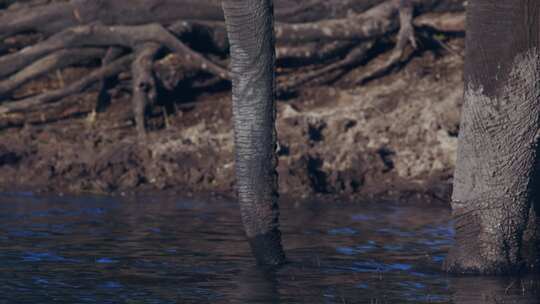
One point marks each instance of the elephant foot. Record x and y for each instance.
(466, 261)
(267, 248)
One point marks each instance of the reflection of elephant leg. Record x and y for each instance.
(499, 134)
(250, 29)
(493, 290)
(256, 285)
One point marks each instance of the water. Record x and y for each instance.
(167, 250)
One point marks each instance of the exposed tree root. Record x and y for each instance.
(112, 69)
(405, 37)
(144, 84)
(57, 16)
(98, 35)
(112, 54)
(406, 31)
(312, 52)
(444, 23)
(325, 42)
(56, 60)
(373, 23)
(354, 57)
(378, 68)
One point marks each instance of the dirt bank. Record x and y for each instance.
(396, 134)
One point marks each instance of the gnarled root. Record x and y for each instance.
(37, 40)
(144, 84)
(112, 69)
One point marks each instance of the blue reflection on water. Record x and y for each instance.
(168, 250)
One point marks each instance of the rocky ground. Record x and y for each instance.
(395, 135)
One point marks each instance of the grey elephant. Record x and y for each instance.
(495, 205)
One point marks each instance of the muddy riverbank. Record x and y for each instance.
(395, 135)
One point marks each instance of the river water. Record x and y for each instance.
(171, 250)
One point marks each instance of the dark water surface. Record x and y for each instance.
(167, 250)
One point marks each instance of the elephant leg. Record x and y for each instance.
(250, 30)
(531, 236)
(497, 163)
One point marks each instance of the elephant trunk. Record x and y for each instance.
(250, 29)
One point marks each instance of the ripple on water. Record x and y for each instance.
(106, 260)
(374, 266)
(44, 257)
(154, 250)
(358, 249)
(342, 231)
(111, 285)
